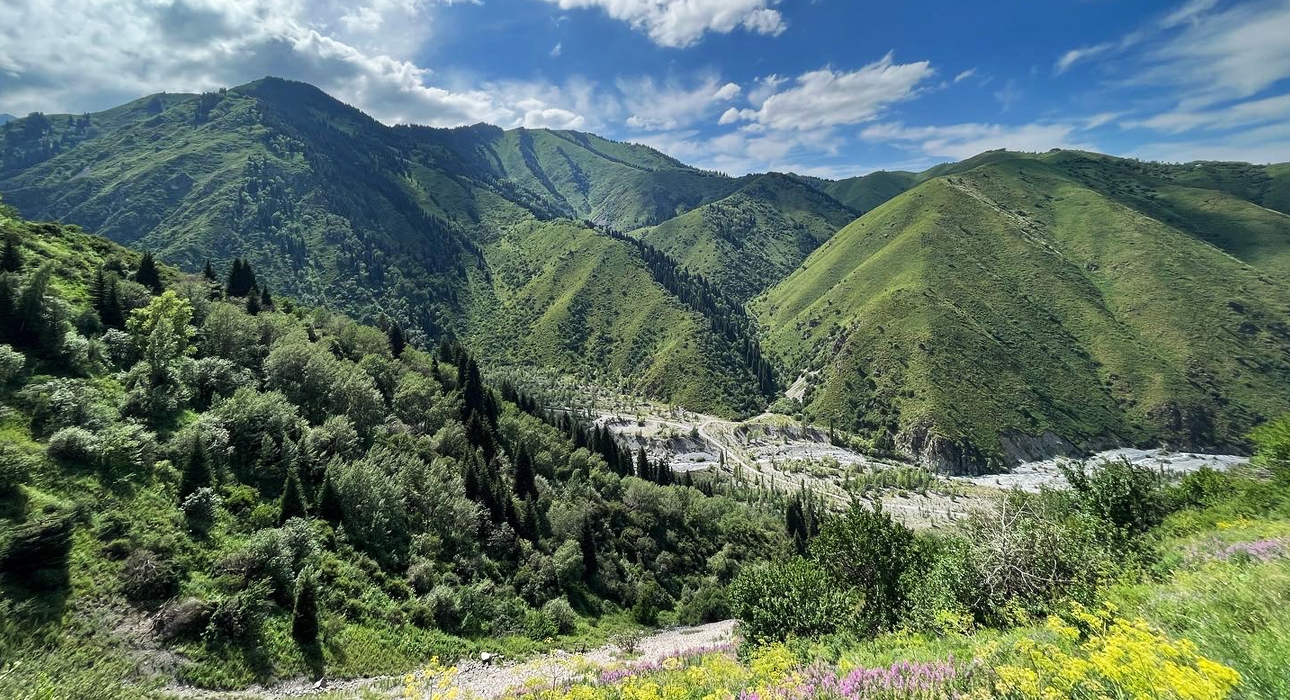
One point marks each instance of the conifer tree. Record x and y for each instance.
(266, 300)
(587, 543)
(147, 274)
(293, 499)
(642, 465)
(253, 305)
(113, 313)
(304, 614)
(197, 471)
(525, 484)
(10, 258)
(209, 271)
(397, 341)
(329, 501)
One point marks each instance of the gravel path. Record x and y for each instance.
(479, 680)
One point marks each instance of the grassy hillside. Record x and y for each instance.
(217, 493)
(751, 239)
(1016, 308)
(405, 223)
(562, 295)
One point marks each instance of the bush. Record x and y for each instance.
(73, 446)
(239, 618)
(11, 363)
(147, 576)
(868, 551)
(793, 598)
(201, 508)
(1127, 496)
(561, 615)
(538, 625)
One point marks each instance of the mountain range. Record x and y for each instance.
(1007, 306)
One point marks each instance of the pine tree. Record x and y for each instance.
(266, 300)
(525, 484)
(147, 274)
(587, 543)
(642, 465)
(293, 499)
(209, 271)
(304, 615)
(11, 258)
(253, 305)
(329, 501)
(98, 291)
(197, 471)
(113, 313)
(397, 341)
(241, 279)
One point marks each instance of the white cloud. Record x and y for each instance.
(555, 50)
(1007, 95)
(1267, 144)
(654, 107)
(1074, 56)
(1223, 55)
(959, 141)
(745, 150)
(826, 98)
(680, 23)
(81, 55)
(1237, 115)
(965, 75)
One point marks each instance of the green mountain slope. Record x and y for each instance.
(333, 208)
(1020, 308)
(868, 191)
(754, 237)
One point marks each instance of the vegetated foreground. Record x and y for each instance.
(204, 484)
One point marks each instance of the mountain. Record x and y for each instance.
(1029, 304)
(333, 208)
(978, 312)
(6, 117)
(753, 237)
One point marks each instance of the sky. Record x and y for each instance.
(821, 87)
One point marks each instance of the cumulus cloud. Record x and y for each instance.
(827, 98)
(654, 107)
(960, 141)
(680, 23)
(81, 55)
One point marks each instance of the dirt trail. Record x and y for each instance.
(478, 680)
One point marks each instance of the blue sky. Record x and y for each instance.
(825, 87)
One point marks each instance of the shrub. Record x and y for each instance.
(304, 614)
(147, 576)
(238, 618)
(73, 445)
(793, 598)
(11, 363)
(538, 625)
(868, 551)
(1125, 495)
(201, 508)
(561, 615)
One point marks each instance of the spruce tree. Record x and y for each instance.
(11, 258)
(587, 543)
(329, 501)
(642, 465)
(209, 271)
(266, 300)
(397, 341)
(304, 614)
(197, 471)
(147, 274)
(525, 485)
(112, 314)
(293, 499)
(253, 305)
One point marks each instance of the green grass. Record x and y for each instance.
(1014, 300)
(748, 241)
